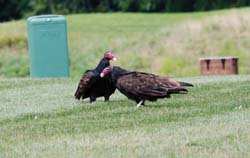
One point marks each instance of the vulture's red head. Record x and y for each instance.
(106, 71)
(109, 56)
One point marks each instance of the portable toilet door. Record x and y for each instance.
(48, 46)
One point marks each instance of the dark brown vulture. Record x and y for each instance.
(92, 85)
(140, 86)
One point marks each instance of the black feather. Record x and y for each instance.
(141, 86)
(93, 86)
(184, 84)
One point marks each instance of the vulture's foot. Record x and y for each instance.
(92, 99)
(106, 98)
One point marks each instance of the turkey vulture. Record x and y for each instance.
(140, 86)
(92, 85)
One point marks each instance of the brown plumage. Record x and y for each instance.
(85, 83)
(140, 86)
(92, 86)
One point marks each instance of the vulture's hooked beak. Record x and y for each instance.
(114, 59)
(102, 75)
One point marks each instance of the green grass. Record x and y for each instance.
(145, 42)
(41, 118)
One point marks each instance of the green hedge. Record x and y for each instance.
(13, 9)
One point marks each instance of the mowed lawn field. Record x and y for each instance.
(41, 118)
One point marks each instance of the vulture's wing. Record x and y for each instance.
(147, 84)
(85, 83)
(140, 84)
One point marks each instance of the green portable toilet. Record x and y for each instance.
(48, 46)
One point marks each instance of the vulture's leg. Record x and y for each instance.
(143, 103)
(140, 103)
(92, 99)
(106, 98)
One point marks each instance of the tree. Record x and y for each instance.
(15, 9)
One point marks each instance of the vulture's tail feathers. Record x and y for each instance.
(184, 84)
(177, 91)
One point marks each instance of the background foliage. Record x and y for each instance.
(167, 44)
(13, 9)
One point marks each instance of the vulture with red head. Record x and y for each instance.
(140, 86)
(92, 86)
